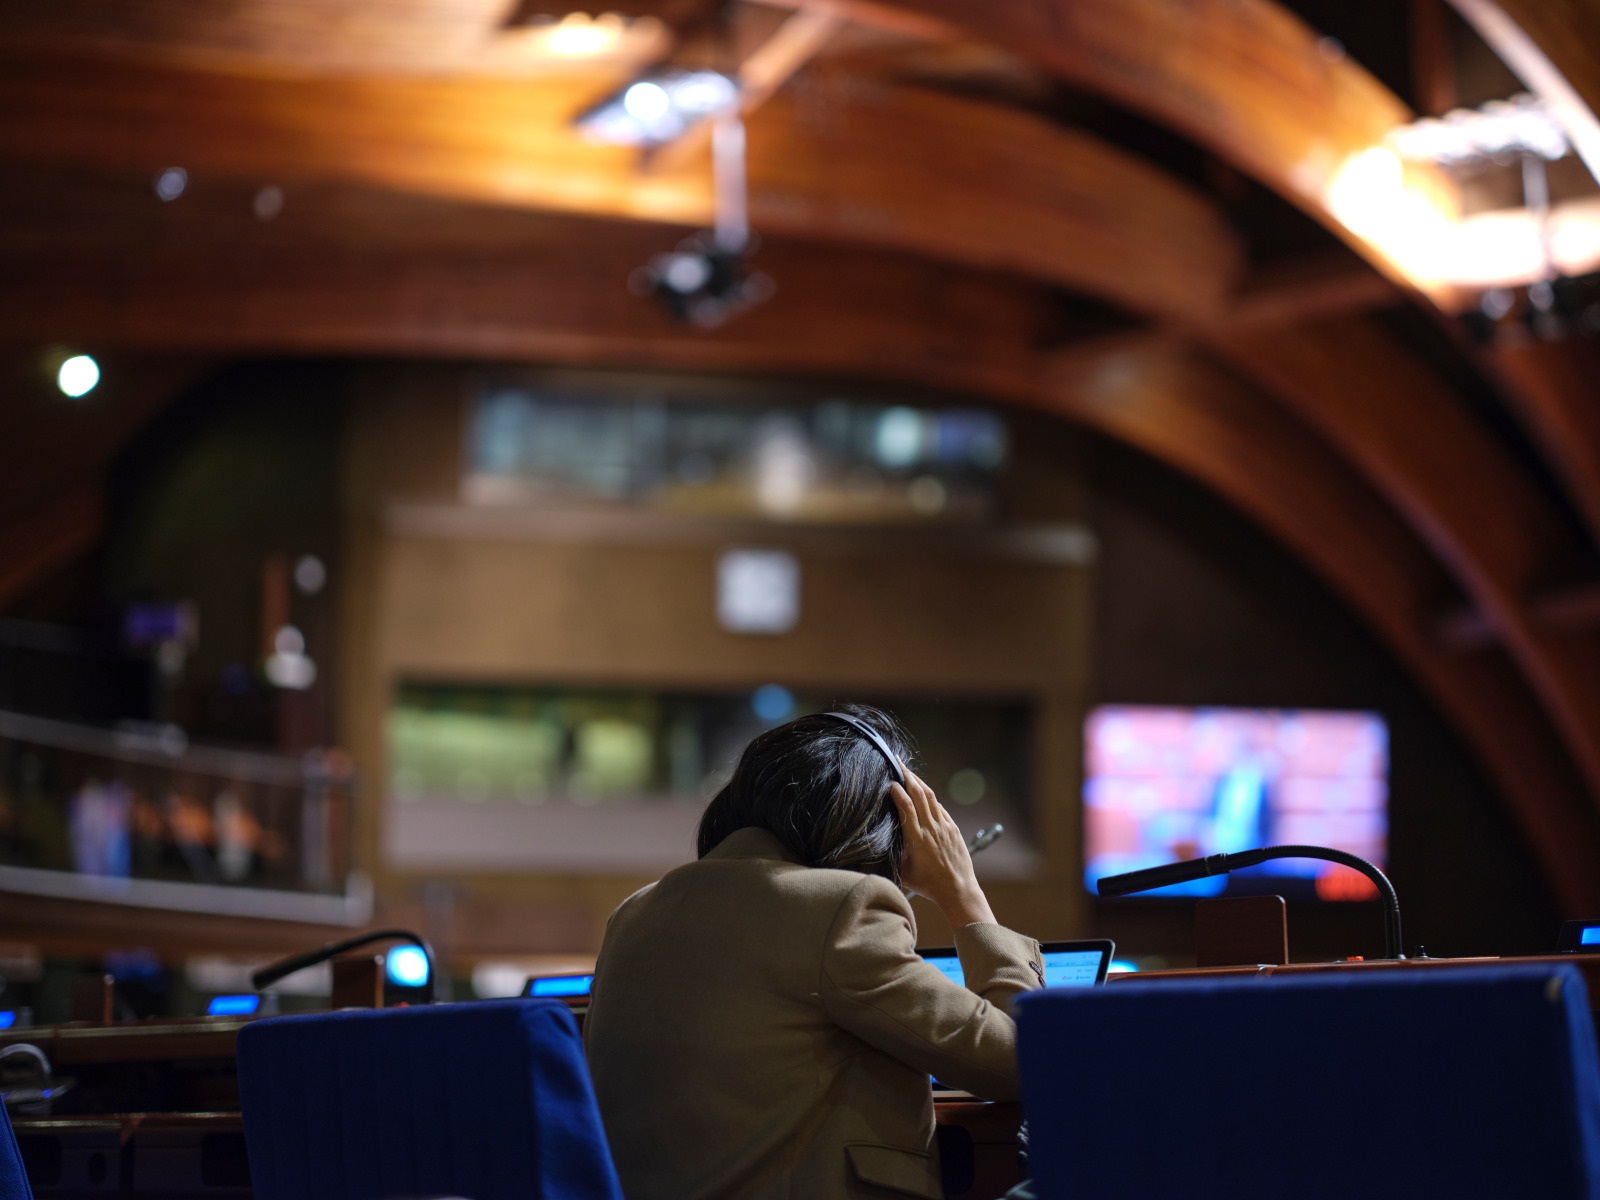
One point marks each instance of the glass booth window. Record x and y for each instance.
(828, 460)
(618, 777)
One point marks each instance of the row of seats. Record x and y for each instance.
(1457, 1083)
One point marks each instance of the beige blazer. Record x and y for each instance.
(762, 1030)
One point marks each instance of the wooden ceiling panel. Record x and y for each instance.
(360, 37)
(916, 170)
(877, 165)
(563, 291)
(1244, 78)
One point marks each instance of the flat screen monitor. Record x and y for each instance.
(1163, 784)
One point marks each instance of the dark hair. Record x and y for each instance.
(821, 789)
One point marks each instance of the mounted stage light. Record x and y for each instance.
(1532, 260)
(706, 279)
(1501, 131)
(659, 108)
(1394, 196)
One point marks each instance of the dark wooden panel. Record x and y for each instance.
(1555, 388)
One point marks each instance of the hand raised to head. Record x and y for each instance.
(936, 862)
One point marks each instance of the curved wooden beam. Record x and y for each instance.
(887, 317)
(1245, 78)
(885, 166)
(1553, 386)
(1394, 419)
(916, 170)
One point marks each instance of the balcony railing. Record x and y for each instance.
(142, 817)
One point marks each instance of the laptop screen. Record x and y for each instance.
(1066, 964)
(568, 987)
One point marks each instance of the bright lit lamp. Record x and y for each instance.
(659, 107)
(77, 376)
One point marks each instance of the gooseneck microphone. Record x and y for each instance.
(273, 972)
(985, 838)
(1220, 864)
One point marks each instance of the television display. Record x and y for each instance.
(1163, 784)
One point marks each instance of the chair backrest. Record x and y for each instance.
(1376, 1083)
(487, 1100)
(13, 1179)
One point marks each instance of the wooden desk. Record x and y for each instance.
(1587, 964)
(154, 1115)
(148, 1156)
(977, 1147)
(153, 1112)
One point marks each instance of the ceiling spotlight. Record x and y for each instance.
(77, 376)
(647, 102)
(658, 108)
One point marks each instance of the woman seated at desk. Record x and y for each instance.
(761, 1024)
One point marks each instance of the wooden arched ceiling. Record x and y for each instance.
(851, 163)
(549, 294)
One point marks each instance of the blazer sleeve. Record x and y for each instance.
(875, 985)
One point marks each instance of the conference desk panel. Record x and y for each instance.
(154, 1113)
(155, 1110)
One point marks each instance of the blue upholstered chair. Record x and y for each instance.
(1451, 1082)
(488, 1101)
(13, 1179)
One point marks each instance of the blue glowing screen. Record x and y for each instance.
(1062, 968)
(7, 1019)
(233, 1006)
(560, 985)
(1590, 936)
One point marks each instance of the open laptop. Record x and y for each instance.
(573, 987)
(1066, 964)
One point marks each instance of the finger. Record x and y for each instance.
(934, 813)
(906, 806)
(923, 797)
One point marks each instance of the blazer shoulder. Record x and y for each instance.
(631, 902)
(835, 887)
